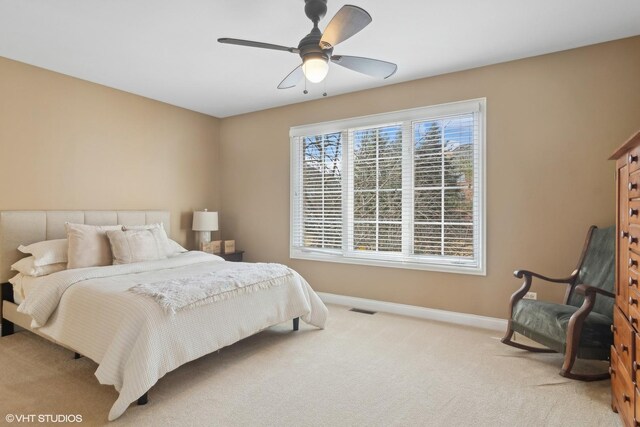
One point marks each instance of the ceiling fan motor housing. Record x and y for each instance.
(310, 46)
(315, 9)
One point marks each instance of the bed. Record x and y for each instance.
(110, 315)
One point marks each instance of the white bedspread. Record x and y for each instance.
(136, 342)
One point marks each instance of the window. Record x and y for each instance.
(402, 189)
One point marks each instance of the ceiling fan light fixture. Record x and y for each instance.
(315, 68)
(316, 48)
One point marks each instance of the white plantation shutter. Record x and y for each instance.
(375, 195)
(321, 221)
(443, 187)
(403, 189)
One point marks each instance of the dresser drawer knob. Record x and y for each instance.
(633, 240)
(632, 281)
(632, 262)
(611, 371)
(632, 158)
(632, 186)
(613, 329)
(624, 348)
(625, 398)
(623, 234)
(633, 212)
(635, 365)
(633, 301)
(632, 320)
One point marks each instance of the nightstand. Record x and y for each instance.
(233, 256)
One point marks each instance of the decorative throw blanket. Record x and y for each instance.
(177, 294)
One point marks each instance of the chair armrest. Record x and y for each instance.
(528, 277)
(574, 328)
(588, 290)
(590, 293)
(521, 273)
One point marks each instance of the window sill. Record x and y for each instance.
(431, 266)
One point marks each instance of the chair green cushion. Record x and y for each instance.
(547, 323)
(598, 269)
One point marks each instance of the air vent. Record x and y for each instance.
(359, 310)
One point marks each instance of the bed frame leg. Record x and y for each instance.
(7, 328)
(144, 399)
(6, 294)
(296, 323)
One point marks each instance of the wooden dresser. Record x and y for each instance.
(625, 352)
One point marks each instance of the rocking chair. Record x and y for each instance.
(581, 326)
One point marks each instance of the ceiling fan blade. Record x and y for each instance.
(348, 21)
(368, 66)
(250, 43)
(292, 79)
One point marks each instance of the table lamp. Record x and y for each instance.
(204, 222)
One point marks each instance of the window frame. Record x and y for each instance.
(395, 260)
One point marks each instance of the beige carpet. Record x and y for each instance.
(363, 370)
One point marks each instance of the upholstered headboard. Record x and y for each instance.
(26, 227)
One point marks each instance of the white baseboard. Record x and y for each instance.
(485, 322)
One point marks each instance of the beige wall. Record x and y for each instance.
(552, 122)
(70, 144)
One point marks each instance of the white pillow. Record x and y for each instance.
(89, 245)
(144, 227)
(18, 291)
(46, 252)
(173, 247)
(137, 245)
(27, 267)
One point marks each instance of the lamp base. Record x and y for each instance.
(202, 237)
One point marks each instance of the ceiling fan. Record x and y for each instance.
(316, 48)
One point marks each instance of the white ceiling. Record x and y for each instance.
(167, 50)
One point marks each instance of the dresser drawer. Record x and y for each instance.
(636, 362)
(633, 186)
(634, 212)
(633, 159)
(635, 423)
(634, 238)
(622, 388)
(634, 317)
(622, 339)
(631, 291)
(633, 260)
(622, 198)
(632, 279)
(624, 283)
(634, 304)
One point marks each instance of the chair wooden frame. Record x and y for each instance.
(574, 329)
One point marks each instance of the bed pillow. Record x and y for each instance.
(46, 252)
(144, 227)
(27, 267)
(18, 292)
(172, 247)
(137, 245)
(89, 245)
(175, 248)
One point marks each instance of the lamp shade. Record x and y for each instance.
(205, 221)
(315, 69)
